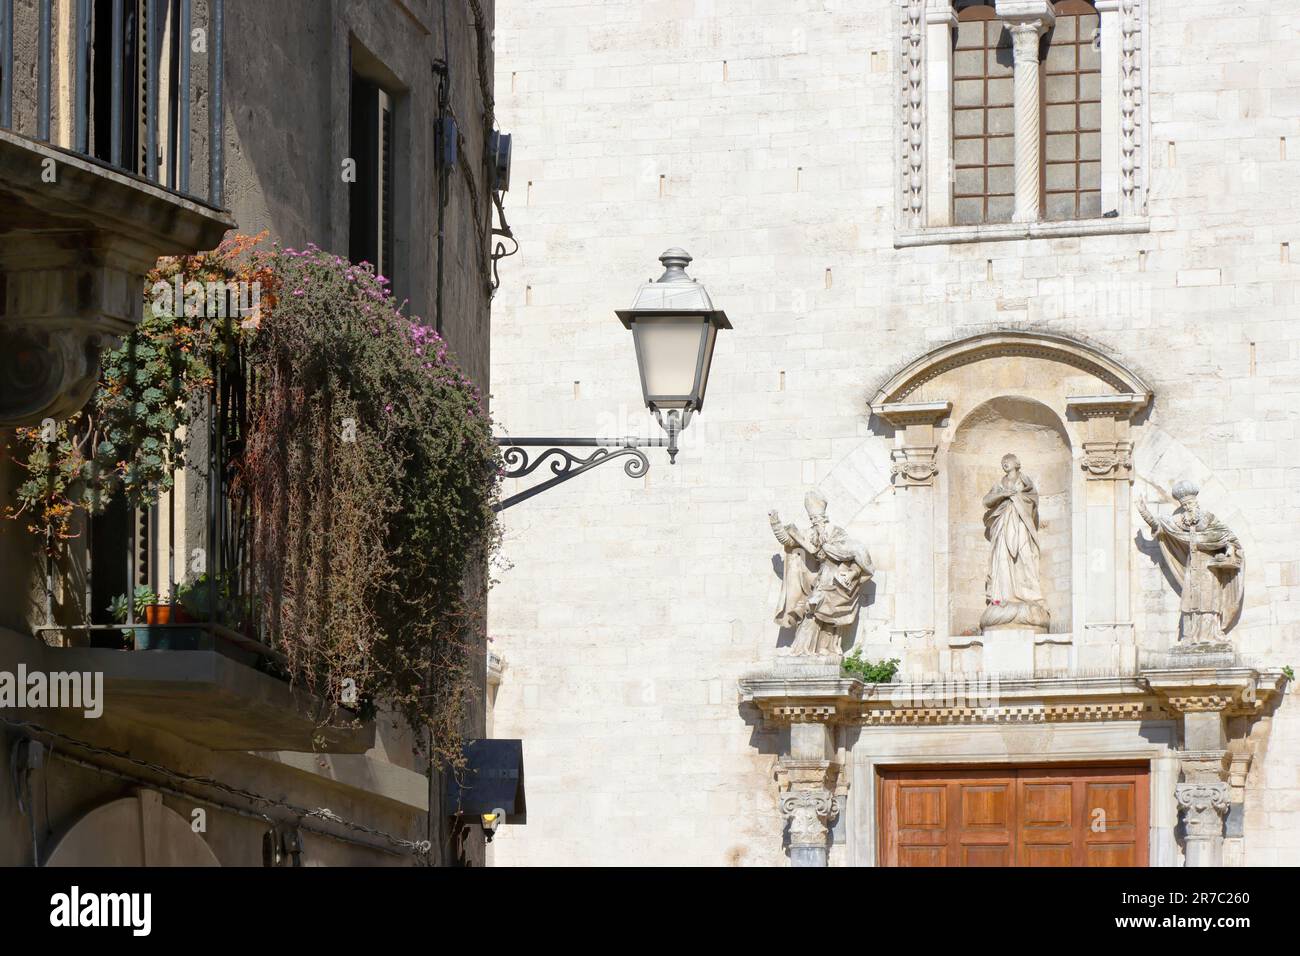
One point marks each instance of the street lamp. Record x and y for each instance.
(674, 328)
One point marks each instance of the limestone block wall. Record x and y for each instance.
(761, 136)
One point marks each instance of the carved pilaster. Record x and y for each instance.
(912, 69)
(1102, 425)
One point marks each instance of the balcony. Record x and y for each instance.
(103, 156)
(157, 590)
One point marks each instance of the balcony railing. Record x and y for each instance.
(194, 663)
(134, 66)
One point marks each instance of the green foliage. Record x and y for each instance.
(366, 471)
(368, 436)
(143, 598)
(147, 393)
(197, 598)
(128, 439)
(881, 672)
(1288, 672)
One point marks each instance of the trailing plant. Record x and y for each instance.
(363, 475)
(366, 435)
(879, 672)
(128, 439)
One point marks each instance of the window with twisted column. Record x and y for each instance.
(959, 166)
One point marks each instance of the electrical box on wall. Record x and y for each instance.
(446, 142)
(499, 160)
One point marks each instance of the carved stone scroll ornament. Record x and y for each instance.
(1203, 806)
(914, 466)
(809, 813)
(1108, 459)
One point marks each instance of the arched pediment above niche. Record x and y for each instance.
(1015, 357)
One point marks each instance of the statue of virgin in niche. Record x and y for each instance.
(1012, 592)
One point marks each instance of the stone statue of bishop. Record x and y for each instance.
(1206, 560)
(824, 573)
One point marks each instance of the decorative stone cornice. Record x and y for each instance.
(1122, 406)
(1232, 691)
(902, 414)
(953, 699)
(1034, 714)
(832, 698)
(803, 713)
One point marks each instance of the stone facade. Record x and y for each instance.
(797, 150)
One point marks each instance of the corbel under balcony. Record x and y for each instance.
(77, 238)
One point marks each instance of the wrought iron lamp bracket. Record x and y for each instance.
(564, 464)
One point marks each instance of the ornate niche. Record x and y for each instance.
(1065, 409)
(1036, 435)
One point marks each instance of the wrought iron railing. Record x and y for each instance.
(133, 65)
(190, 549)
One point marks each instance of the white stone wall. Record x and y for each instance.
(760, 135)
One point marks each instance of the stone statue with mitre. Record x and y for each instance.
(1206, 560)
(824, 573)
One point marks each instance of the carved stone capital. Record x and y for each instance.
(1025, 35)
(913, 467)
(1108, 460)
(809, 813)
(1036, 12)
(1203, 807)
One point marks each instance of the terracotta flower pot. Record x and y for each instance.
(166, 614)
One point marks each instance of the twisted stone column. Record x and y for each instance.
(1027, 20)
(1025, 36)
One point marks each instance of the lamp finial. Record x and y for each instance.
(675, 261)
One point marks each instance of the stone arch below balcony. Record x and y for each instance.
(132, 831)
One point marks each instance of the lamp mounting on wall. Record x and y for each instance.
(674, 329)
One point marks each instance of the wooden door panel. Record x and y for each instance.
(922, 856)
(1086, 816)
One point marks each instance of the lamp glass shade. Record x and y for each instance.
(672, 352)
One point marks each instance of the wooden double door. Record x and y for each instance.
(1023, 816)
